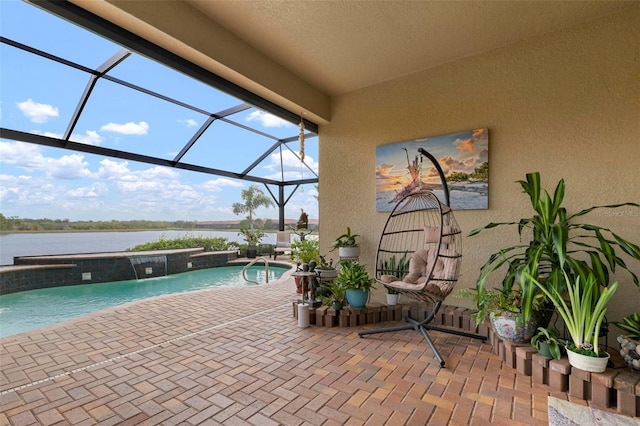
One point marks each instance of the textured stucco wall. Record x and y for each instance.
(567, 105)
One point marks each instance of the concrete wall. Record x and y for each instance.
(567, 105)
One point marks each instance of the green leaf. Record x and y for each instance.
(489, 226)
(558, 196)
(628, 247)
(607, 250)
(599, 270)
(533, 188)
(560, 236)
(610, 206)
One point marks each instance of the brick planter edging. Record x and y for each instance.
(614, 388)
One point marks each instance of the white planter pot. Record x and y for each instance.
(587, 363)
(348, 252)
(327, 274)
(392, 299)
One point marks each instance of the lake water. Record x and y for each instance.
(37, 244)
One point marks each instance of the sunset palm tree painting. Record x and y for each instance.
(463, 157)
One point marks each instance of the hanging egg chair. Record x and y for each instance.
(419, 256)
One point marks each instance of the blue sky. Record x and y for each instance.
(40, 96)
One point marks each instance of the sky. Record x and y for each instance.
(40, 96)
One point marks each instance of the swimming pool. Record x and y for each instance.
(33, 309)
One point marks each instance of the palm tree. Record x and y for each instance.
(253, 199)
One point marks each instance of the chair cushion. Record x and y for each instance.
(420, 265)
(417, 266)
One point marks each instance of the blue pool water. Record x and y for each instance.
(30, 310)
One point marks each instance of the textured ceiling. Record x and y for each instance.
(339, 47)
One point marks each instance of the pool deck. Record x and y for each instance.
(236, 356)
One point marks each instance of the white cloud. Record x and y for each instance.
(68, 167)
(37, 112)
(91, 137)
(93, 191)
(159, 173)
(49, 134)
(110, 169)
(29, 157)
(291, 165)
(25, 192)
(216, 185)
(189, 122)
(130, 128)
(268, 120)
(22, 155)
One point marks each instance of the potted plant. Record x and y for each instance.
(335, 295)
(325, 270)
(503, 308)
(353, 276)
(630, 340)
(392, 297)
(303, 252)
(252, 238)
(347, 245)
(583, 315)
(547, 342)
(397, 269)
(552, 244)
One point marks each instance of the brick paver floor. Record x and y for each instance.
(235, 356)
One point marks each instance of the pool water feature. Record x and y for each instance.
(33, 309)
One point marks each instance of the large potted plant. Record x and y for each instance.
(553, 243)
(353, 276)
(583, 314)
(347, 245)
(503, 308)
(252, 238)
(630, 339)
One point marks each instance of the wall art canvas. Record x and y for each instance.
(464, 158)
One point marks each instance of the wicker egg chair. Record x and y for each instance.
(419, 256)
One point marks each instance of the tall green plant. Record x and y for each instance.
(557, 243)
(584, 313)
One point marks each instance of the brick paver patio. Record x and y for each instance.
(235, 356)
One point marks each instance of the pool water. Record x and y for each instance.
(33, 309)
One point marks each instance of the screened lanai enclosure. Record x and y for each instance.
(109, 93)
